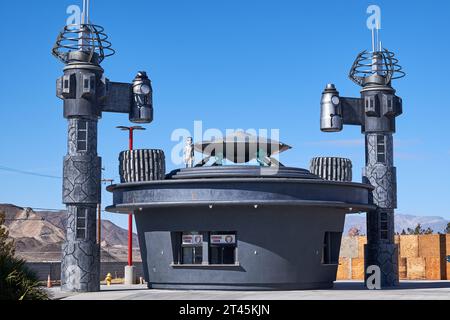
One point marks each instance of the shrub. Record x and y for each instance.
(17, 282)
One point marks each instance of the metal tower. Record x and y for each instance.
(375, 111)
(86, 94)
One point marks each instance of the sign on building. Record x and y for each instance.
(194, 239)
(223, 239)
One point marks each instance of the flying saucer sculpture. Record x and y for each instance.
(241, 147)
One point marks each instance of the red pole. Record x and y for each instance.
(131, 138)
(130, 217)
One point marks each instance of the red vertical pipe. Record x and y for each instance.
(131, 138)
(130, 217)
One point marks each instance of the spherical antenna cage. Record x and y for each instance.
(88, 38)
(380, 67)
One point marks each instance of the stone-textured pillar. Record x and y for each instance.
(83, 92)
(80, 267)
(81, 193)
(380, 172)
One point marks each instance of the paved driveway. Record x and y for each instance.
(344, 290)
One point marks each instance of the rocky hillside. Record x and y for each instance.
(39, 235)
(402, 222)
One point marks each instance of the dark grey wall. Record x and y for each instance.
(278, 247)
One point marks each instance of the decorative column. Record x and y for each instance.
(86, 94)
(82, 90)
(381, 108)
(375, 113)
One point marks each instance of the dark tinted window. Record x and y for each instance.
(222, 248)
(331, 247)
(81, 223)
(381, 149)
(82, 136)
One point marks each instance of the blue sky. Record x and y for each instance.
(232, 64)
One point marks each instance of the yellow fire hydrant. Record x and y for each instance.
(108, 279)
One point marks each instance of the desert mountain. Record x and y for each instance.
(402, 222)
(39, 235)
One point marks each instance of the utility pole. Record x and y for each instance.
(99, 215)
(129, 270)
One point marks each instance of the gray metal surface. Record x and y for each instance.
(142, 165)
(279, 248)
(237, 171)
(276, 192)
(333, 169)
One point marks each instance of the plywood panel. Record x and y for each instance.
(358, 269)
(409, 246)
(447, 238)
(349, 247)
(362, 241)
(416, 268)
(433, 268)
(448, 254)
(343, 272)
(403, 268)
(429, 246)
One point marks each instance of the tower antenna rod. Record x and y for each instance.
(85, 34)
(378, 36)
(376, 42)
(373, 40)
(85, 16)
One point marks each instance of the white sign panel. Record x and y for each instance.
(194, 239)
(223, 239)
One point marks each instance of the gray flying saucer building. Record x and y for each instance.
(217, 226)
(242, 227)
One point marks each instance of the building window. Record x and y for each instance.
(214, 248)
(81, 223)
(331, 247)
(192, 248)
(82, 136)
(384, 226)
(222, 248)
(381, 149)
